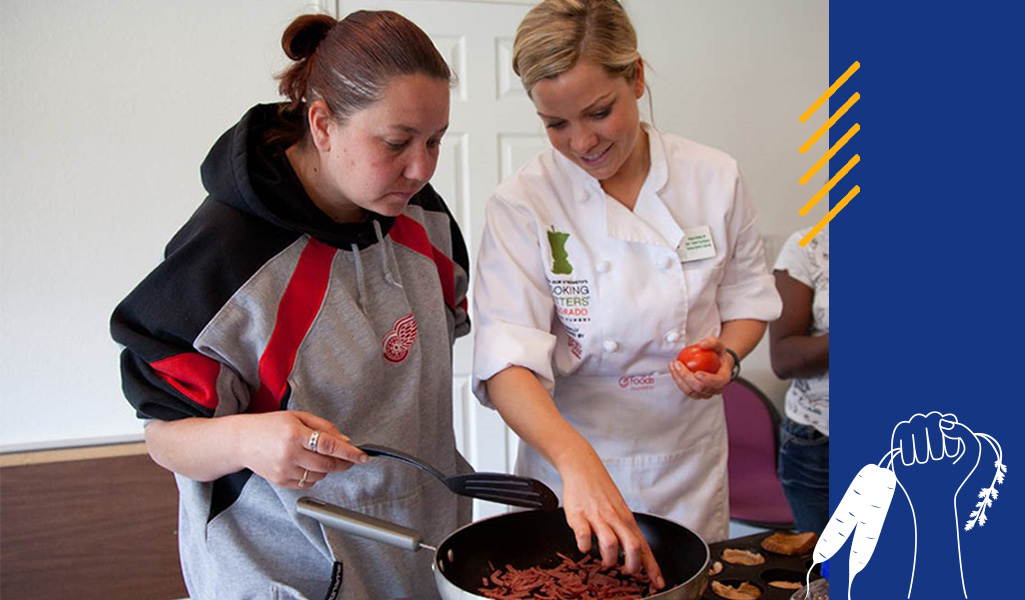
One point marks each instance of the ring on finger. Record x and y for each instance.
(312, 444)
(302, 480)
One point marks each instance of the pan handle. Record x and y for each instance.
(361, 525)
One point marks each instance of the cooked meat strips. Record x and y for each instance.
(585, 579)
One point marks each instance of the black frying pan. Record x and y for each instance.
(523, 539)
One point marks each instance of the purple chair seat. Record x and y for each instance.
(752, 423)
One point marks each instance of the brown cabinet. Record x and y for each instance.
(75, 527)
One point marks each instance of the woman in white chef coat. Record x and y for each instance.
(601, 259)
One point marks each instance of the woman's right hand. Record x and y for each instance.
(594, 505)
(276, 446)
(591, 499)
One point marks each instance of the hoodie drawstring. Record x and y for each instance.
(387, 256)
(361, 290)
(387, 260)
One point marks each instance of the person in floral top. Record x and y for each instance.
(799, 349)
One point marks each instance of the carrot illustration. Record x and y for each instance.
(988, 494)
(870, 521)
(861, 512)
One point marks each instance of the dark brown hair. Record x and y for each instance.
(348, 63)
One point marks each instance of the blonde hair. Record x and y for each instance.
(557, 34)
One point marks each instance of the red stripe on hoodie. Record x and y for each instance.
(192, 374)
(298, 308)
(409, 233)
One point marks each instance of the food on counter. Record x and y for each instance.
(818, 590)
(744, 591)
(791, 544)
(715, 569)
(585, 579)
(697, 359)
(786, 585)
(747, 558)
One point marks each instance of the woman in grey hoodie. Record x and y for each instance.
(311, 300)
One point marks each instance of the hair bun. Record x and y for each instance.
(305, 33)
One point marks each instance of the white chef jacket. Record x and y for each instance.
(595, 299)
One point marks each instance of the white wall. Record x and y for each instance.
(107, 108)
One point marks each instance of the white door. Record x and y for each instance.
(493, 130)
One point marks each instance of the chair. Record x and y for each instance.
(752, 425)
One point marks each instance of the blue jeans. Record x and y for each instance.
(804, 473)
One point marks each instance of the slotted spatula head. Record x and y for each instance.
(505, 489)
(495, 487)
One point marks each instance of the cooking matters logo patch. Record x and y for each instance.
(572, 300)
(400, 339)
(560, 258)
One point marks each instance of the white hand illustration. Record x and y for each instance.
(931, 457)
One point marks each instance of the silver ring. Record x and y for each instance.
(302, 480)
(312, 444)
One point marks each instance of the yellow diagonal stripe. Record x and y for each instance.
(825, 95)
(828, 155)
(829, 217)
(825, 189)
(832, 120)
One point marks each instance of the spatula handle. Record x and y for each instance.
(385, 451)
(360, 525)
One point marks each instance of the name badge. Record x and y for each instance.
(696, 244)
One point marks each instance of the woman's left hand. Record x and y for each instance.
(702, 385)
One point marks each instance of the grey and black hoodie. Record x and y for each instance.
(263, 303)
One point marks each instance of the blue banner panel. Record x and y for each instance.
(926, 300)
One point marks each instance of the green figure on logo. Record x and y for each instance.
(560, 258)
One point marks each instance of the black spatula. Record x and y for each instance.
(496, 487)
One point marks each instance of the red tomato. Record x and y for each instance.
(697, 358)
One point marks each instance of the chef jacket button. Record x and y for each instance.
(603, 266)
(672, 336)
(665, 262)
(584, 195)
(610, 346)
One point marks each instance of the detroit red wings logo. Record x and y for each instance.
(400, 339)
